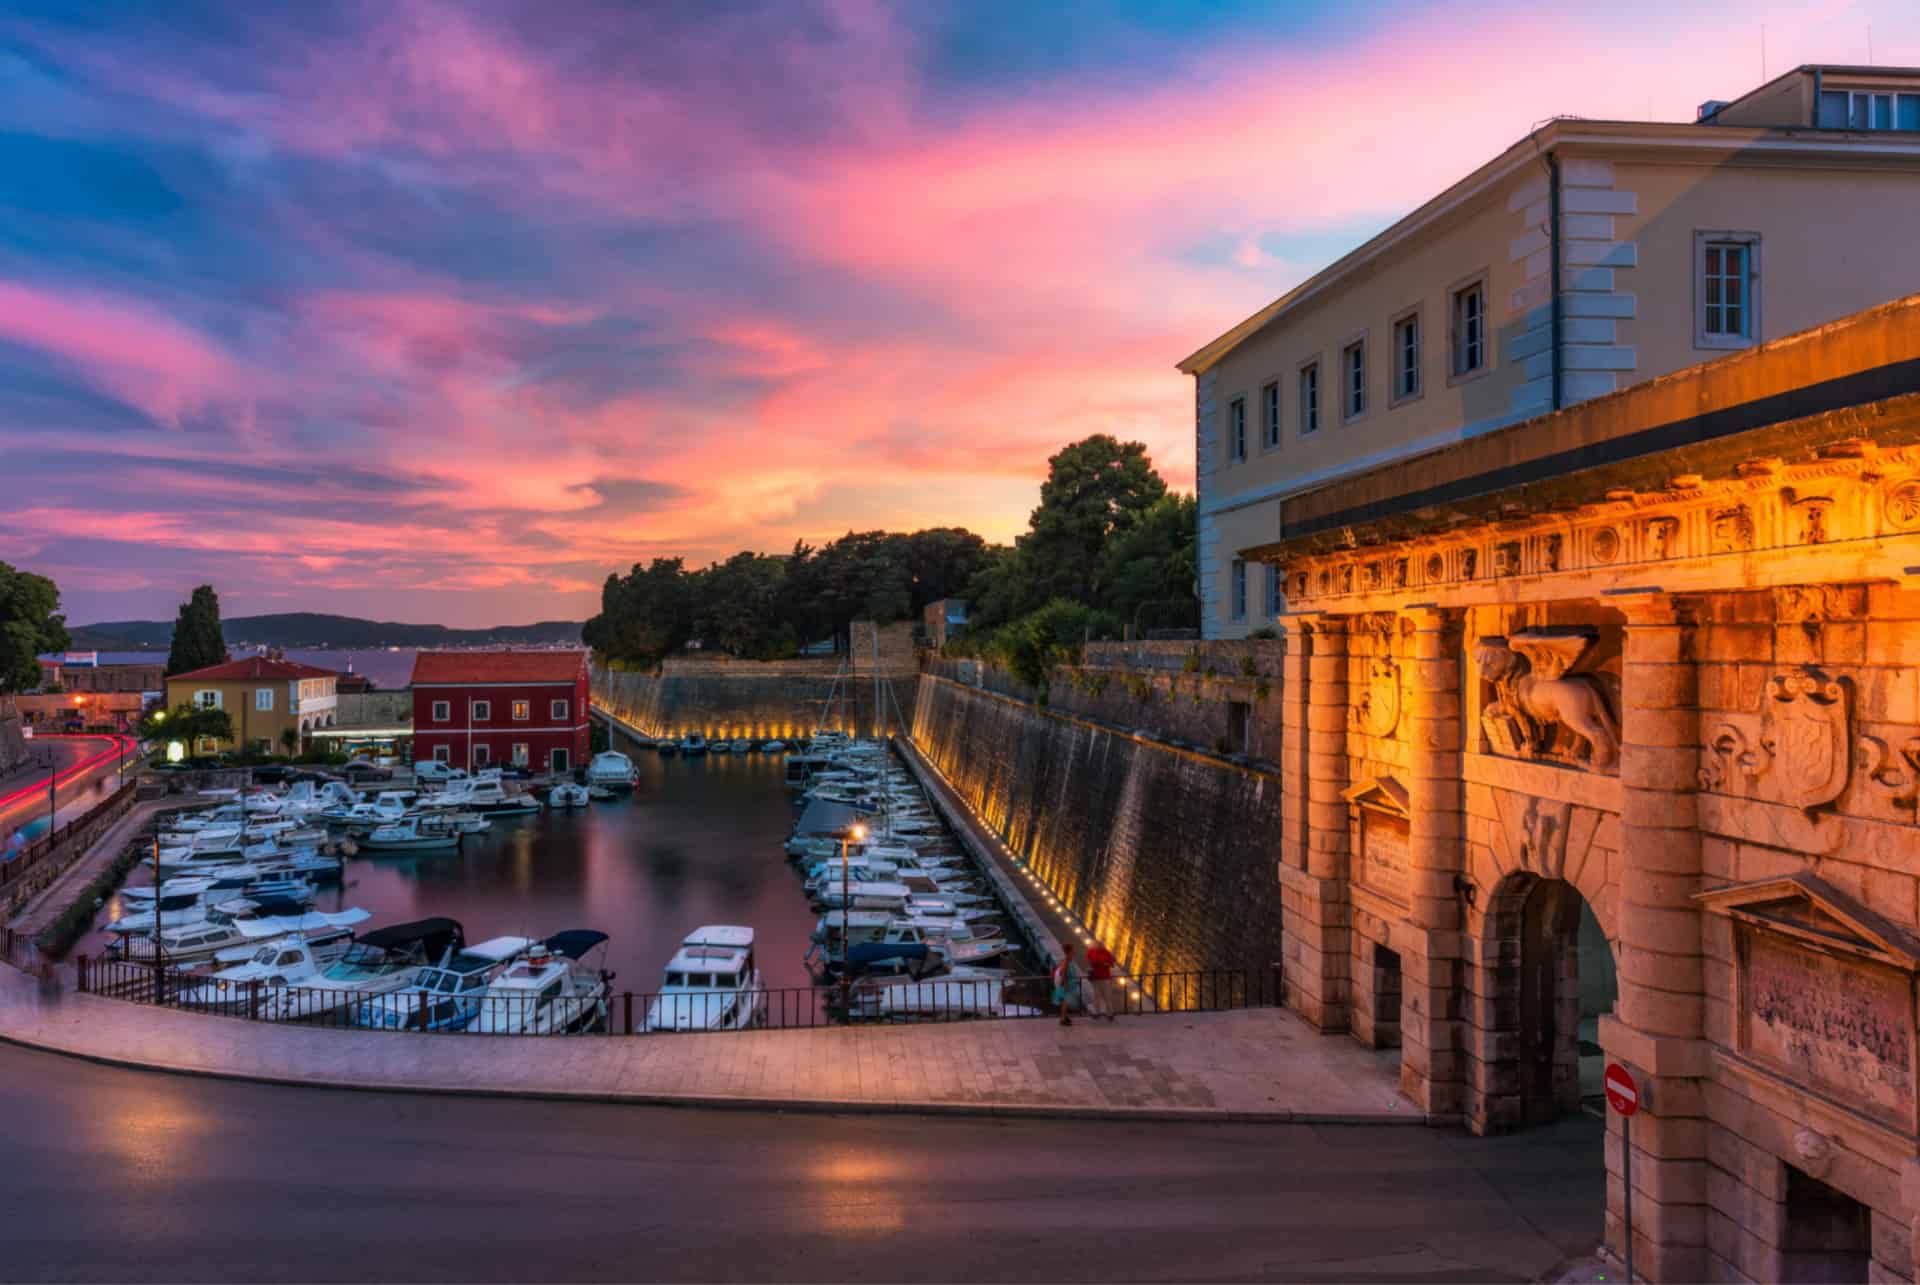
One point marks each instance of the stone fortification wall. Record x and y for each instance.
(1166, 853)
(749, 699)
(1180, 691)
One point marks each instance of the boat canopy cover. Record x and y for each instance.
(867, 953)
(575, 942)
(825, 817)
(435, 934)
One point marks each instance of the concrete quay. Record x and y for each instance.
(1249, 1065)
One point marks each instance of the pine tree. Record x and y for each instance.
(197, 640)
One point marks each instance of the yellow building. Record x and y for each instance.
(263, 696)
(1588, 257)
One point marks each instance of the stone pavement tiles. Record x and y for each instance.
(1259, 1063)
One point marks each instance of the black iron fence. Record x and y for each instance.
(584, 1005)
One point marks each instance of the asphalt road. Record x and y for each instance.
(122, 1175)
(23, 794)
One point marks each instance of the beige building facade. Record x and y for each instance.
(1590, 256)
(1601, 742)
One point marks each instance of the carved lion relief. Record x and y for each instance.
(1539, 703)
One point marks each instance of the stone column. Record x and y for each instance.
(1433, 1067)
(1313, 844)
(1658, 1028)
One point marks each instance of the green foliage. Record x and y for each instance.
(1261, 691)
(188, 724)
(1146, 571)
(30, 623)
(765, 607)
(290, 739)
(1266, 633)
(1032, 645)
(1141, 689)
(197, 640)
(1247, 667)
(1191, 665)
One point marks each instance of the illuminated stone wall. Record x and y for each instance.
(1166, 853)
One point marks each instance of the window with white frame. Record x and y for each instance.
(482, 711)
(442, 753)
(1237, 429)
(1310, 398)
(520, 756)
(1406, 357)
(1353, 374)
(1470, 328)
(522, 711)
(558, 712)
(482, 755)
(1273, 591)
(557, 759)
(442, 711)
(1868, 109)
(1726, 286)
(1270, 415)
(1239, 589)
(263, 698)
(207, 698)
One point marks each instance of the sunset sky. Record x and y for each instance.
(441, 312)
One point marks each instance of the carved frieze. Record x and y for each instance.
(1808, 604)
(1731, 530)
(1539, 704)
(1662, 533)
(1903, 505)
(1605, 545)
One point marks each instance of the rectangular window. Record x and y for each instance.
(1868, 109)
(442, 753)
(1270, 416)
(1239, 589)
(207, 699)
(1237, 429)
(522, 711)
(1353, 366)
(1310, 398)
(1470, 329)
(1273, 590)
(520, 756)
(1726, 268)
(442, 711)
(1406, 357)
(558, 760)
(559, 712)
(482, 756)
(263, 698)
(482, 711)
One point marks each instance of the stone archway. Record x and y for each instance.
(1552, 974)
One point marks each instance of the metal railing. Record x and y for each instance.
(592, 1008)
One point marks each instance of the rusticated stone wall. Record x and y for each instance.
(1181, 691)
(746, 699)
(1166, 853)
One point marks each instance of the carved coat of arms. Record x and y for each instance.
(1803, 726)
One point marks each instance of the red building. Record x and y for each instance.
(478, 709)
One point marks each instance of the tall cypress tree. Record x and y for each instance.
(197, 640)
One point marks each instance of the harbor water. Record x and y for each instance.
(698, 842)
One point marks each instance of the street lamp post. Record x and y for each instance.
(855, 834)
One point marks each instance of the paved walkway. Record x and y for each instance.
(1263, 1064)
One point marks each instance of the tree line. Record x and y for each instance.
(1108, 546)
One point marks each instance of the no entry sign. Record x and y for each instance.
(1623, 1095)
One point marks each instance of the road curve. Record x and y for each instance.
(121, 1175)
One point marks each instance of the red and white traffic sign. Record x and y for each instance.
(1623, 1095)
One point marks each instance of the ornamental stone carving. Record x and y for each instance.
(1539, 700)
(1506, 558)
(1663, 535)
(1804, 732)
(1605, 545)
(1807, 604)
(1903, 505)
(1732, 529)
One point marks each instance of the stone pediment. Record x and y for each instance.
(1380, 794)
(1813, 910)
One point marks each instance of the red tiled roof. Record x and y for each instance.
(255, 667)
(451, 667)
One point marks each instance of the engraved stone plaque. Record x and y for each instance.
(1382, 867)
(1844, 1026)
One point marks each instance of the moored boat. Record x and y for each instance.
(710, 984)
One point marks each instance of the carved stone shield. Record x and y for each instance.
(1804, 725)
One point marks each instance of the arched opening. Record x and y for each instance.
(1556, 979)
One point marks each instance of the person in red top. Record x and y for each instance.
(1100, 985)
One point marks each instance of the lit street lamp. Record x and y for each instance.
(856, 833)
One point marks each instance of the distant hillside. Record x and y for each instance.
(314, 629)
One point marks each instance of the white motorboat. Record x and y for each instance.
(612, 770)
(693, 743)
(720, 747)
(567, 796)
(271, 964)
(946, 998)
(872, 894)
(711, 983)
(742, 747)
(941, 906)
(444, 997)
(865, 928)
(774, 747)
(222, 929)
(385, 959)
(483, 794)
(547, 991)
(421, 832)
